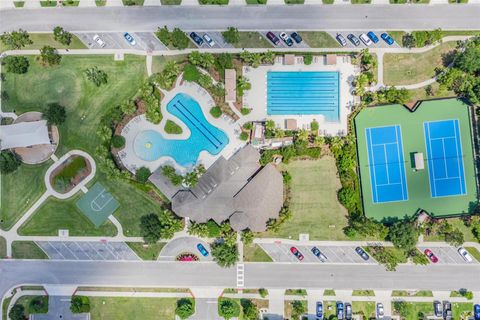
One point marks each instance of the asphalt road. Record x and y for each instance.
(304, 17)
(269, 275)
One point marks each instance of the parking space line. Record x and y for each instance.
(50, 244)
(71, 251)
(83, 250)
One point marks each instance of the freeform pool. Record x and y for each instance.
(303, 93)
(150, 145)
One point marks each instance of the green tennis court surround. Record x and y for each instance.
(443, 185)
(97, 204)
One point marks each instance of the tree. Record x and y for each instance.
(55, 114)
(242, 85)
(408, 40)
(403, 235)
(314, 126)
(216, 112)
(247, 237)
(308, 58)
(16, 64)
(16, 39)
(163, 35)
(224, 254)
(38, 305)
(224, 61)
(49, 56)
(468, 60)
(204, 60)
(298, 309)
(151, 228)
(228, 308)
(118, 141)
(455, 237)
(142, 174)
(263, 292)
(17, 312)
(401, 307)
(128, 107)
(185, 308)
(190, 73)
(231, 35)
(80, 304)
(62, 36)
(250, 310)
(179, 39)
(97, 76)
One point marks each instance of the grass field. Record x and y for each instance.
(314, 203)
(158, 62)
(329, 292)
(27, 300)
(288, 307)
(146, 252)
(254, 253)
(363, 293)
(456, 223)
(3, 248)
(252, 39)
(410, 68)
(48, 3)
(20, 190)
(421, 94)
(62, 180)
(172, 128)
(414, 309)
(474, 252)
(364, 308)
(27, 250)
(46, 39)
(319, 39)
(19, 4)
(421, 293)
(103, 308)
(170, 2)
(462, 310)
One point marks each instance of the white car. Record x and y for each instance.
(465, 255)
(208, 40)
(99, 41)
(366, 40)
(286, 38)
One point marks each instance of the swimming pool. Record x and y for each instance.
(150, 145)
(304, 93)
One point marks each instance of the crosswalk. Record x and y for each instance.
(240, 275)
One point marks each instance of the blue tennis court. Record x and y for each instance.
(386, 164)
(445, 158)
(302, 93)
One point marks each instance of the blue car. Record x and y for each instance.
(386, 37)
(319, 310)
(202, 249)
(373, 37)
(476, 312)
(340, 311)
(129, 38)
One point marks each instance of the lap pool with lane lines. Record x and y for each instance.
(304, 93)
(150, 145)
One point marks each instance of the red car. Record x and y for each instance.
(431, 256)
(296, 253)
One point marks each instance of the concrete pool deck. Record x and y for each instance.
(256, 98)
(139, 124)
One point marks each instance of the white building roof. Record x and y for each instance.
(24, 134)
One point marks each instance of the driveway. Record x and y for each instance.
(182, 245)
(280, 252)
(379, 44)
(87, 250)
(282, 44)
(447, 255)
(206, 308)
(114, 40)
(59, 308)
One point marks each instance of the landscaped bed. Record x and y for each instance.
(70, 173)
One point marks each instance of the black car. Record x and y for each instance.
(353, 39)
(437, 308)
(362, 253)
(272, 37)
(348, 311)
(447, 310)
(295, 36)
(316, 252)
(196, 38)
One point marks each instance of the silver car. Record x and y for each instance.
(380, 311)
(99, 41)
(208, 40)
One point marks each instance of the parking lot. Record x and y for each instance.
(280, 252)
(447, 255)
(114, 40)
(282, 43)
(82, 250)
(379, 44)
(216, 37)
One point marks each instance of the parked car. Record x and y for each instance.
(296, 253)
(202, 249)
(447, 310)
(341, 40)
(209, 40)
(373, 37)
(286, 39)
(340, 311)
(316, 252)
(366, 40)
(272, 37)
(353, 39)
(196, 38)
(437, 309)
(348, 311)
(295, 36)
(380, 311)
(476, 312)
(465, 255)
(129, 38)
(319, 310)
(431, 256)
(362, 253)
(386, 37)
(99, 41)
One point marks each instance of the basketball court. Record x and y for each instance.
(97, 204)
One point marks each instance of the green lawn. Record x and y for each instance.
(462, 310)
(410, 68)
(254, 253)
(474, 252)
(170, 2)
(363, 293)
(296, 292)
(294, 1)
(288, 306)
(100, 3)
(414, 309)
(103, 308)
(27, 250)
(147, 252)
(27, 300)
(252, 39)
(20, 190)
(456, 223)
(421, 93)
(133, 2)
(421, 293)
(46, 39)
(329, 292)
(361, 1)
(57, 214)
(19, 4)
(364, 308)
(70, 3)
(48, 3)
(63, 179)
(398, 1)
(172, 128)
(421, 1)
(256, 1)
(319, 39)
(329, 309)
(158, 62)
(397, 36)
(3, 248)
(314, 203)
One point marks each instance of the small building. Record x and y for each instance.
(291, 124)
(230, 85)
(419, 163)
(331, 59)
(24, 134)
(289, 60)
